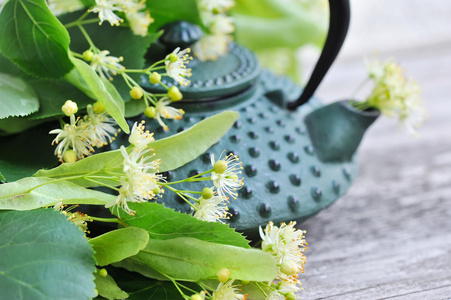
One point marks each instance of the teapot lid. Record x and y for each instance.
(212, 80)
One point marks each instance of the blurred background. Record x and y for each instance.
(389, 237)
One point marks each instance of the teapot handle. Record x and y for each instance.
(338, 28)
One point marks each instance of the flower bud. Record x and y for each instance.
(207, 193)
(69, 156)
(223, 275)
(154, 78)
(220, 166)
(98, 107)
(102, 273)
(290, 296)
(69, 108)
(156, 191)
(149, 112)
(136, 92)
(173, 57)
(174, 94)
(88, 55)
(289, 267)
(196, 297)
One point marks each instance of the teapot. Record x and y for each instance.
(287, 175)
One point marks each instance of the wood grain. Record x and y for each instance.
(390, 236)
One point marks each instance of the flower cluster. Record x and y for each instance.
(140, 182)
(394, 95)
(176, 65)
(135, 11)
(106, 65)
(287, 245)
(78, 138)
(215, 44)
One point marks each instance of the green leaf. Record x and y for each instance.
(99, 164)
(194, 260)
(118, 244)
(164, 223)
(17, 98)
(175, 151)
(101, 94)
(35, 192)
(120, 41)
(23, 154)
(13, 125)
(141, 288)
(44, 256)
(114, 95)
(107, 287)
(53, 94)
(173, 10)
(33, 38)
(187, 145)
(135, 265)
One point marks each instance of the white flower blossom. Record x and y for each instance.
(226, 291)
(100, 127)
(72, 135)
(106, 65)
(106, 9)
(210, 210)
(222, 24)
(163, 110)
(139, 137)
(176, 65)
(216, 5)
(139, 22)
(211, 47)
(287, 245)
(59, 7)
(228, 181)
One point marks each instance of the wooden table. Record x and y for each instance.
(389, 237)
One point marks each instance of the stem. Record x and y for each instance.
(78, 21)
(86, 35)
(102, 184)
(191, 179)
(106, 220)
(260, 288)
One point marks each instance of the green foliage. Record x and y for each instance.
(174, 151)
(141, 288)
(44, 256)
(173, 10)
(95, 84)
(53, 94)
(118, 244)
(35, 192)
(33, 38)
(23, 154)
(17, 98)
(194, 260)
(164, 223)
(187, 145)
(107, 288)
(134, 108)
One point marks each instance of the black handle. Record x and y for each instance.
(338, 27)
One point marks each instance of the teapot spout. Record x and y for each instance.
(337, 129)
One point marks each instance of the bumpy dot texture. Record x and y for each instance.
(283, 178)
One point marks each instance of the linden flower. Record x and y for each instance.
(59, 7)
(139, 185)
(225, 174)
(176, 65)
(394, 95)
(162, 109)
(216, 5)
(106, 9)
(210, 210)
(78, 218)
(227, 291)
(106, 65)
(222, 24)
(211, 47)
(139, 137)
(139, 22)
(287, 245)
(73, 136)
(100, 127)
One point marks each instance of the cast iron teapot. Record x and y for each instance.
(285, 177)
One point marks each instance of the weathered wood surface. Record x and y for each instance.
(390, 236)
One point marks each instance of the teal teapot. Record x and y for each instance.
(290, 169)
